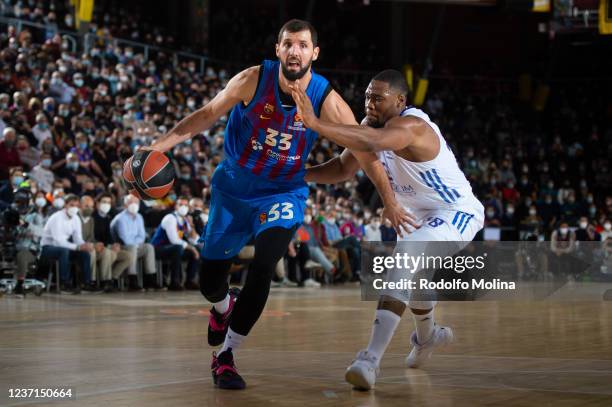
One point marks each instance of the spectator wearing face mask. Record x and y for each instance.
(199, 216)
(586, 232)
(510, 221)
(41, 130)
(492, 218)
(562, 244)
(606, 232)
(57, 200)
(532, 222)
(85, 157)
(570, 209)
(128, 229)
(549, 211)
(42, 173)
(175, 240)
(28, 237)
(63, 241)
(119, 259)
(9, 155)
(372, 230)
(16, 179)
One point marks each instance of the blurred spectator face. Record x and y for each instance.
(72, 161)
(87, 205)
(607, 226)
(49, 105)
(58, 198)
(45, 160)
(22, 143)
(81, 141)
(39, 199)
(532, 210)
(375, 222)
(563, 228)
(41, 121)
(490, 213)
(510, 210)
(185, 173)
(17, 176)
(104, 204)
(4, 101)
(77, 79)
(583, 222)
(9, 137)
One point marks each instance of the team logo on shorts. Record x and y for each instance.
(256, 145)
(263, 218)
(268, 108)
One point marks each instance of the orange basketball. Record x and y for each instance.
(149, 175)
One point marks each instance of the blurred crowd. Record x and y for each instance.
(68, 121)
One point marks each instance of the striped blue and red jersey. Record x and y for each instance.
(268, 140)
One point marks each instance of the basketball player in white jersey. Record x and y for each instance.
(429, 184)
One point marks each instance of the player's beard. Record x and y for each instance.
(293, 76)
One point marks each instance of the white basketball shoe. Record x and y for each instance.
(363, 371)
(420, 353)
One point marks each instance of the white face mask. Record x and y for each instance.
(133, 208)
(73, 211)
(307, 218)
(105, 207)
(331, 220)
(583, 225)
(40, 202)
(183, 210)
(532, 212)
(375, 225)
(204, 217)
(608, 226)
(58, 203)
(563, 231)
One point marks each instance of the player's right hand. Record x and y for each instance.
(400, 219)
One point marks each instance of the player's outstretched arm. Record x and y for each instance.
(338, 169)
(397, 134)
(336, 110)
(241, 88)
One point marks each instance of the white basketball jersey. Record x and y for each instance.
(435, 184)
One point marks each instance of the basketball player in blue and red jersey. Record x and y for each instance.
(259, 189)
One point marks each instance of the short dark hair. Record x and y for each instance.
(69, 198)
(295, 26)
(396, 81)
(103, 195)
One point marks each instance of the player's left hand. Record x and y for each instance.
(303, 104)
(401, 220)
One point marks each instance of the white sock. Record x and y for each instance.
(383, 329)
(232, 340)
(424, 326)
(223, 305)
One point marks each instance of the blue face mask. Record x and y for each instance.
(18, 180)
(72, 165)
(172, 197)
(43, 126)
(82, 146)
(46, 162)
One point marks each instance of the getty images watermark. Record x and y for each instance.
(458, 271)
(400, 263)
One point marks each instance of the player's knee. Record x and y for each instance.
(213, 279)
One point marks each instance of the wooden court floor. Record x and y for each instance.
(149, 350)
